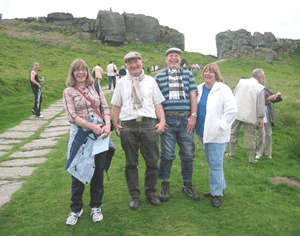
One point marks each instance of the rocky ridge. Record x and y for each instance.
(111, 28)
(241, 44)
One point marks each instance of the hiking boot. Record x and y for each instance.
(73, 217)
(164, 193)
(134, 203)
(153, 200)
(215, 202)
(96, 214)
(189, 190)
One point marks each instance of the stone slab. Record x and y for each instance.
(24, 162)
(40, 143)
(59, 128)
(31, 127)
(17, 135)
(34, 153)
(57, 122)
(53, 134)
(2, 153)
(7, 188)
(37, 122)
(15, 172)
(9, 141)
(6, 147)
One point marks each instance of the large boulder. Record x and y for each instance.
(257, 40)
(266, 54)
(59, 16)
(142, 28)
(110, 28)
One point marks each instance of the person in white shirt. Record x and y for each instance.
(111, 70)
(249, 96)
(137, 103)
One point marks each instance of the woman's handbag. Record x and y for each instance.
(112, 127)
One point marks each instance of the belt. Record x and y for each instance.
(139, 119)
(186, 113)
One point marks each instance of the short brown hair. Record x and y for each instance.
(213, 67)
(76, 64)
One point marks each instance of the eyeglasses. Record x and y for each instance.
(78, 70)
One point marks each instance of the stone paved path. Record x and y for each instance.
(22, 162)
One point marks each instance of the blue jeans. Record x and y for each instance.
(214, 153)
(110, 80)
(176, 133)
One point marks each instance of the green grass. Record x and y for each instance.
(252, 205)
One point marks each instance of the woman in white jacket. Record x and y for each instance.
(217, 110)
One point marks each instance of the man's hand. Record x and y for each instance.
(191, 124)
(260, 123)
(117, 128)
(161, 127)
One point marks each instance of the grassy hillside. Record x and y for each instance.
(17, 57)
(252, 205)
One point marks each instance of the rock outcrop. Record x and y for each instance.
(111, 28)
(241, 44)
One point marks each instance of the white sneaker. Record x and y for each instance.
(257, 157)
(40, 116)
(270, 157)
(96, 214)
(73, 218)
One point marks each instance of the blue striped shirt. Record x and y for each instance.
(189, 84)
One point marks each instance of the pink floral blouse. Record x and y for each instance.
(75, 103)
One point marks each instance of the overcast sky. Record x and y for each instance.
(199, 21)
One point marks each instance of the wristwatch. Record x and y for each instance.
(108, 122)
(194, 115)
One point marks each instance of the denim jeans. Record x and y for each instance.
(110, 80)
(214, 153)
(37, 101)
(176, 133)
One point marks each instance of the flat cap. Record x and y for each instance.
(177, 50)
(132, 55)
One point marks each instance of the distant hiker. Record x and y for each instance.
(137, 103)
(152, 69)
(265, 134)
(97, 73)
(148, 69)
(250, 98)
(111, 73)
(36, 89)
(122, 72)
(83, 108)
(156, 68)
(184, 66)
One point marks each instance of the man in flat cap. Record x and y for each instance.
(180, 91)
(137, 103)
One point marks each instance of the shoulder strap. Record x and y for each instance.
(93, 105)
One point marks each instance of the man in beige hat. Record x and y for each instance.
(137, 103)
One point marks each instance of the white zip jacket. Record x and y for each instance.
(221, 111)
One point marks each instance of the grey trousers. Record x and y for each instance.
(265, 139)
(135, 136)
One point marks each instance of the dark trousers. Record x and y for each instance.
(141, 135)
(96, 186)
(37, 101)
